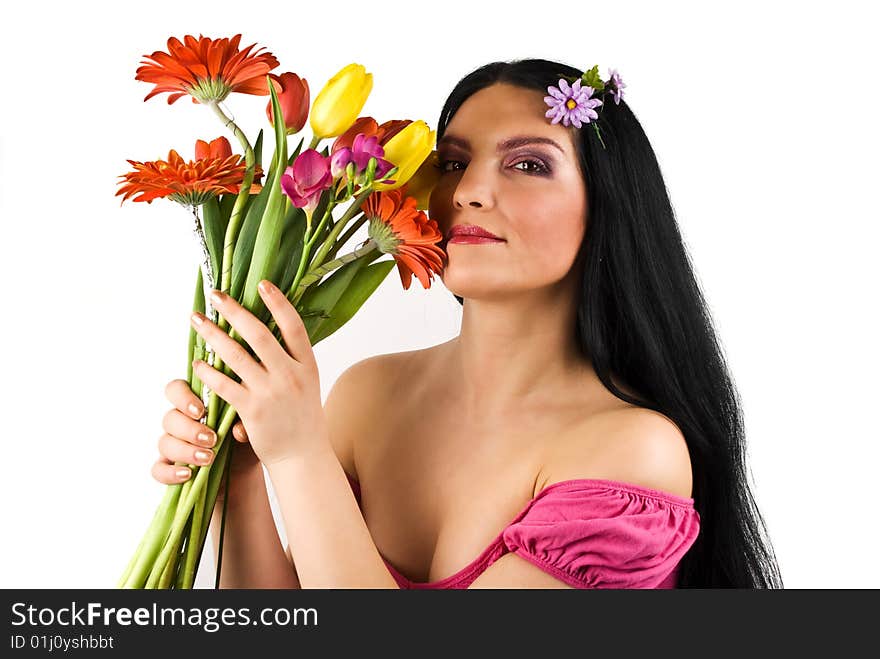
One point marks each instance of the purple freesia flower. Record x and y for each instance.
(618, 85)
(339, 161)
(362, 149)
(571, 104)
(306, 179)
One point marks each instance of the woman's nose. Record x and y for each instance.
(474, 190)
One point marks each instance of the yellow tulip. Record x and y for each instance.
(423, 181)
(339, 103)
(407, 150)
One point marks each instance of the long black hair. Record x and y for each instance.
(642, 318)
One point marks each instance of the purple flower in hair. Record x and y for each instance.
(618, 85)
(571, 104)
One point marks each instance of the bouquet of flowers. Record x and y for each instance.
(288, 231)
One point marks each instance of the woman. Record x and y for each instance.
(581, 431)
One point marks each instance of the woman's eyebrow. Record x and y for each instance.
(510, 143)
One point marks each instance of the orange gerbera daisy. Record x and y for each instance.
(400, 229)
(206, 69)
(188, 183)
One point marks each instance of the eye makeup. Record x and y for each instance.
(535, 166)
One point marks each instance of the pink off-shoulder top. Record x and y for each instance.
(589, 533)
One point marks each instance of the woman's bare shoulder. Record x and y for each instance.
(624, 443)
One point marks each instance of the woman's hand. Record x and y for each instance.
(183, 427)
(279, 397)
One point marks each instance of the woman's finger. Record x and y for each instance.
(168, 473)
(179, 394)
(177, 450)
(177, 424)
(251, 329)
(228, 389)
(230, 351)
(239, 432)
(293, 331)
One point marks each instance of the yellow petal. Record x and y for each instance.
(408, 150)
(338, 105)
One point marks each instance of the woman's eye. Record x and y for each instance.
(441, 165)
(539, 167)
(534, 166)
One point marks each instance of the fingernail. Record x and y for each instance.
(264, 286)
(206, 438)
(182, 473)
(194, 409)
(202, 456)
(197, 318)
(215, 298)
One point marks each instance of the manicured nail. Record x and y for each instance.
(215, 298)
(206, 438)
(182, 473)
(264, 287)
(202, 456)
(197, 318)
(194, 409)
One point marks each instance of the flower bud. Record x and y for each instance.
(339, 103)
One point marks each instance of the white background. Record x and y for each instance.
(764, 120)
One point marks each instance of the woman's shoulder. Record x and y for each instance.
(372, 375)
(624, 443)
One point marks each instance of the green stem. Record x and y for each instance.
(182, 514)
(171, 568)
(156, 536)
(304, 256)
(330, 241)
(240, 201)
(195, 532)
(223, 519)
(315, 141)
(231, 236)
(330, 266)
(313, 235)
(357, 224)
(134, 559)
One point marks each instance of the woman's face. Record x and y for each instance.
(530, 194)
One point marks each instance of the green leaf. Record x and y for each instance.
(271, 224)
(319, 299)
(289, 252)
(364, 284)
(215, 231)
(247, 235)
(296, 152)
(227, 203)
(258, 149)
(291, 247)
(591, 78)
(289, 160)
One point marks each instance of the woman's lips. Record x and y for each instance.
(472, 240)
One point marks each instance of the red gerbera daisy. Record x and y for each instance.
(206, 69)
(400, 229)
(188, 183)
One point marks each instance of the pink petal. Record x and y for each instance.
(309, 168)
